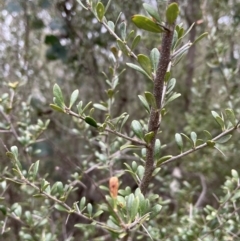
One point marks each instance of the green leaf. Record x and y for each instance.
(135, 42)
(35, 169)
(223, 139)
(100, 107)
(155, 210)
(157, 149)
(231, 116)
(187, 138)
(152, 11)
(145, 103)
(154, 57)
(111, 25)
(89, 120)
(134, 166)
(172, 12)
(170, 85)
(89, 209)
(179, 141)
(14, 151)
(203, 35)
(124, 121)
(148, 137)
(57, 108)
(130, 35)
(163, 159)
(139, 69)
(137, 129)
(82, 203)
(194, 138)
(215, 147)
(167, 76)
(123, 30)
(128, 146)
(60, 208)
(140, 171)
(172, 97)
(98, 213)
(122, 47)
(234, 174)
(146, 23)
(150, 99)
(145, 63)
(73, 98)
(218, 119)
(129, 204)
(134, 209)
(100, 11)
(57, 93)
(207, 134)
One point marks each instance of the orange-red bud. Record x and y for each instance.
(113, 186)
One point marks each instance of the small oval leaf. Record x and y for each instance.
(146, 23)
(172, 12)
(100, 10)
(89, 120)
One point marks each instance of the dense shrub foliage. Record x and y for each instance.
(119, 120)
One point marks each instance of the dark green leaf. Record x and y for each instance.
(89, 120)
(146, 23)
(148, 137)
(172, 12)
(150, 99)
(145, 63)
(100, 11)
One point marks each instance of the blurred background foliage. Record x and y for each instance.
(43, 42)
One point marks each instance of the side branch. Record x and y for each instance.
(199, 147)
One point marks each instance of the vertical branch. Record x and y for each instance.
(155, 118)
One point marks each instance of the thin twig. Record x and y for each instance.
(198, 147)
(136, 141)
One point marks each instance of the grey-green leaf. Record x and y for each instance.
(137, 129)
(179, 141)
(139, 69)
(73, 98)
(152, 11)
(154, 57)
